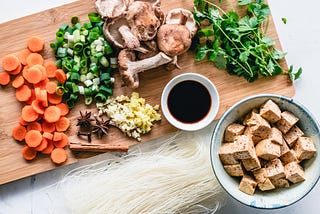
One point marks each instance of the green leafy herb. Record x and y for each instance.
(294, 75)
(284, 20)
(237, 44)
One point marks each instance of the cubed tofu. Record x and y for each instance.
(270, 111)
(252, 118)
(244, 148)
(304, 148)
(267, 150)
(292, 135)
(247, 184)
(266, 185)
(280, 183)
(232, 131)
(234, 170)
(275, 136)
(248, 132)
(251, 163)
(261, 129)
(284, 148)
(287, 121)
(294, 172)
(226, 154)
(260, 175)
(288, 157)
(275, 169)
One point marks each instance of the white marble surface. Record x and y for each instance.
(300, 37)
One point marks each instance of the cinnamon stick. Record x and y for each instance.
(89, 147)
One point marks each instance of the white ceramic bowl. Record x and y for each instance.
(274, 198)
(208, 118)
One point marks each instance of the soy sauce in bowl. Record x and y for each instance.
(189, 101)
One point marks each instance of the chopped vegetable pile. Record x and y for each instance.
(238, 44)
(85, 56)
(130, 114)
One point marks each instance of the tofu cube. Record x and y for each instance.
(267, 150)
(234, 170)
(247, 184)
(294, 172)
(270, 111)
(287, 121)
(304, 148)
(226, 154)
(288, 157)
(280, 183)
(248, 132)
(232, 131)
(252, 118)
(292, 135)
(266, 185)
(261, 129)
(251, 163)
(275, 136)
(244, 148)
(260, 175)
(284, 148)
(275, 169)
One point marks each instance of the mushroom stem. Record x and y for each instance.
(130, 40)
(149, 63)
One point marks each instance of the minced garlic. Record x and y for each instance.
(132, 115)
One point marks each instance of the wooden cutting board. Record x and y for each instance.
(13, 38)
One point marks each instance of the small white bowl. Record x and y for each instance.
(274, 198)
(213, 109)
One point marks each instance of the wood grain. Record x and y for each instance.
(13, 38)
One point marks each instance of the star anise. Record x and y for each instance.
(84, 120)
(101, 127)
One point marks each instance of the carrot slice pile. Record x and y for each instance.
(43, 116)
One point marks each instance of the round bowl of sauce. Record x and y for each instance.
(190, 101)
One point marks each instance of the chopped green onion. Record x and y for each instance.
(74, 77)
(88, 100)
(94, 17)
(61, 52)
(75, 20)
(100, 98)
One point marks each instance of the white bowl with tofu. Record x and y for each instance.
(273, 154)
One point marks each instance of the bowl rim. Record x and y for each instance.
(227, 112)
(215, 101)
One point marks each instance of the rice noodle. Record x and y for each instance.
(174, 177)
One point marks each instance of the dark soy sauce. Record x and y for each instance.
(189, 101)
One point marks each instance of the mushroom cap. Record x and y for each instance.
(112, 8)
(173, 39)
(130, 78)
(183, 17)
(143, 20)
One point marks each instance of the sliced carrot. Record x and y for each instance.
(48, 127)
(23, 93)
(33, 138)
(51, 68)
(18, 81)
(43, 71)
(64, 109)
(22, 55)
(4, 78)
(62, 124)
(10, 62)
(60, 76)
(52, 114)
(16, 71)
(59, 155)
(44, 98)
(49, 148)
(42, 145)
(51, 87)
(47, 135)
(35, 43)
(54, 98)
(42, 84)
(34, 59)
(28, 114)
(32, 98)
(25, 71)
(33, 75)
(63, 142)
(19, 132)
(29, 153)
(57, 136)
(38, 107)
(22, 122)
(34, 126)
